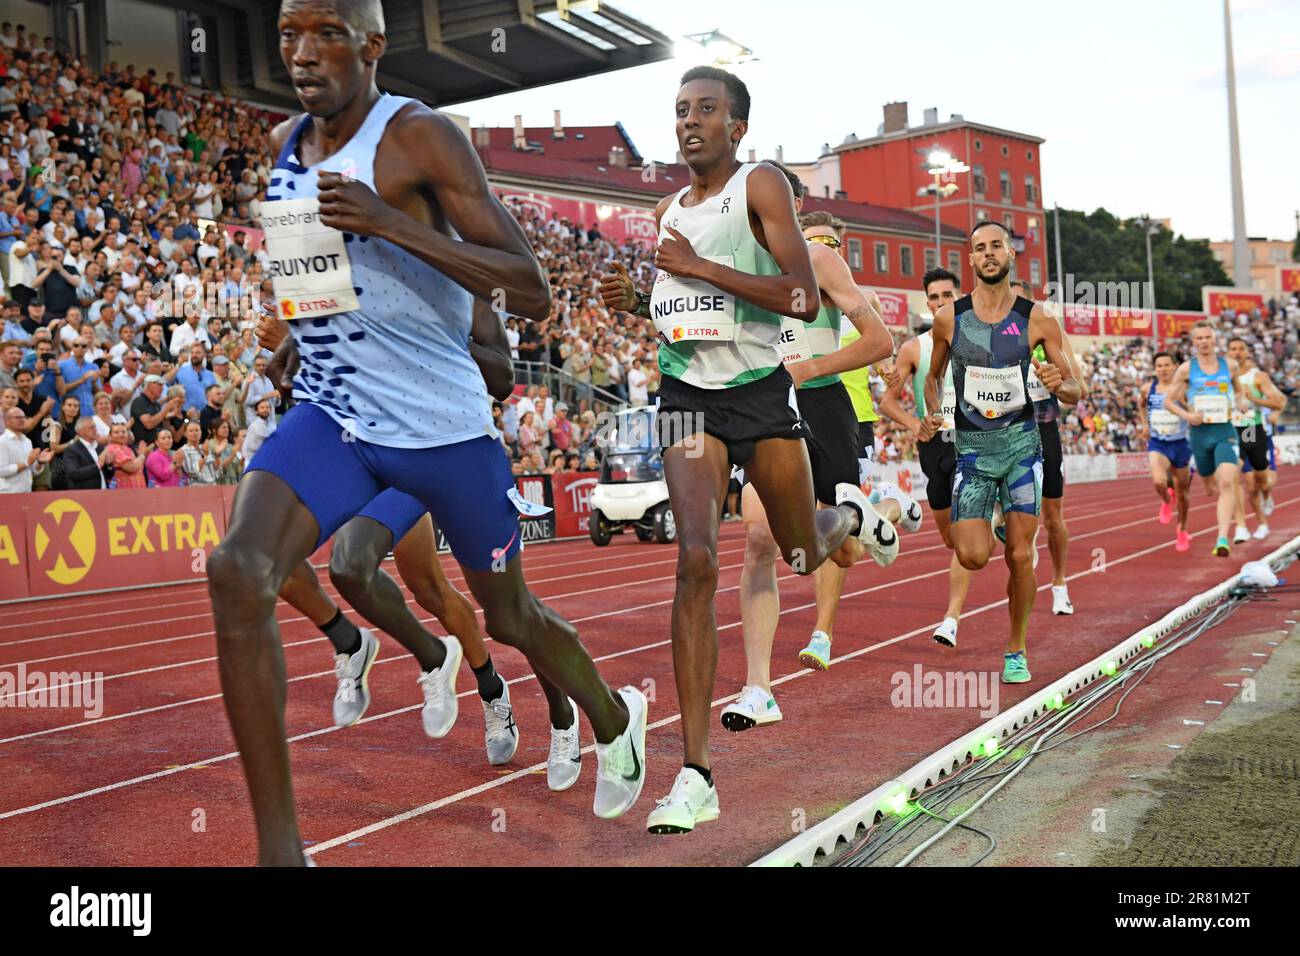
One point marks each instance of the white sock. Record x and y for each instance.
(1062, 589)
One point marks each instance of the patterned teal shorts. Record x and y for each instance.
(1005, 464)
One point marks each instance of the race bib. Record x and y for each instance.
(690, 310)
(994, 392)
(949, 406)
(1213, 408)
(1037, 390)
(795, 342)
(1242, 419)
(309, 261)
(1165, 423)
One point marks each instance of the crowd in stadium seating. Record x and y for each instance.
(127, 338)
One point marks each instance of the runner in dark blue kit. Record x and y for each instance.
(388, 204)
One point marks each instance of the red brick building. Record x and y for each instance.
(1004, 183)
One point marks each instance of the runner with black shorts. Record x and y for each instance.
(813, 354)
(937, 454)
(1047, 412)
(990, 335)
(732, 263)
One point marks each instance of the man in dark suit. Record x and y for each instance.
(84, 460)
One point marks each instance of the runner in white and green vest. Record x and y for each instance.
(731, 263)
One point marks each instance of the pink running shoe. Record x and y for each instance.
(1166, 513)
(1184, 542)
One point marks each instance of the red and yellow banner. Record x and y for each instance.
(70, 542)
(572, 496)
(1288, 278)
(1216, 300)
(1172, 325)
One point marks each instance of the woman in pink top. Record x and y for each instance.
(161, 464)
(128, 467)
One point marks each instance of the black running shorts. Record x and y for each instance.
(938, 462)
(1255, 451)
(738, 416)
(832, 425)
(1053, 461)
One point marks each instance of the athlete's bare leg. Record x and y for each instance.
(760, 600)
(1159, 465)
(782, 476)
(303, 592)
(1021, 585)
(1182, 479)
(418, 564)
(1225, 479)
(359, 549)
(270, 534)
(959, 578)
(1058, 537)
(697, 471)
(516, 618)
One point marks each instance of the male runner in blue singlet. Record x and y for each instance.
(382, 229)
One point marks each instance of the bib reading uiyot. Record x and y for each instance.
(691, 309)
(994, 392)
(1213, 408)
(1165, 423)
(309, 261)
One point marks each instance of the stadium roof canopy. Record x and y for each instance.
(446, 51)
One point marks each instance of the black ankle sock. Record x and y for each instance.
(343, 634)
(490, 684)
(703, 772)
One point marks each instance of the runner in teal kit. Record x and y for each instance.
(1205, 393)
(989, 336)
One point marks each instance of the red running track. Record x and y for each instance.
(155, 780)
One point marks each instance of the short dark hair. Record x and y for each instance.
(1238, 338)
(796, 184)
(1018, 282)
(1163, 354)
(989, 222)
(737, 91)
(24, 371)
(939, 274)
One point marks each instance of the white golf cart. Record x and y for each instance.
(631, 491)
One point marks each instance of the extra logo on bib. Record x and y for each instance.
(994, 392)
(688, 310)
(309, 262)
(795, 342)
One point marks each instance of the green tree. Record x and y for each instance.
(1099, 247)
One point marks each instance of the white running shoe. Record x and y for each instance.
(946, 633)
(876, 534)
(439, 686)
(691, 801)
(620, 764)
(353, 673)
(1267, 504)
(754, 706)
(910, 517)
(1061, 600)
(1241, 536)
(501, 735)
(1261, 532)
(564, 762)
